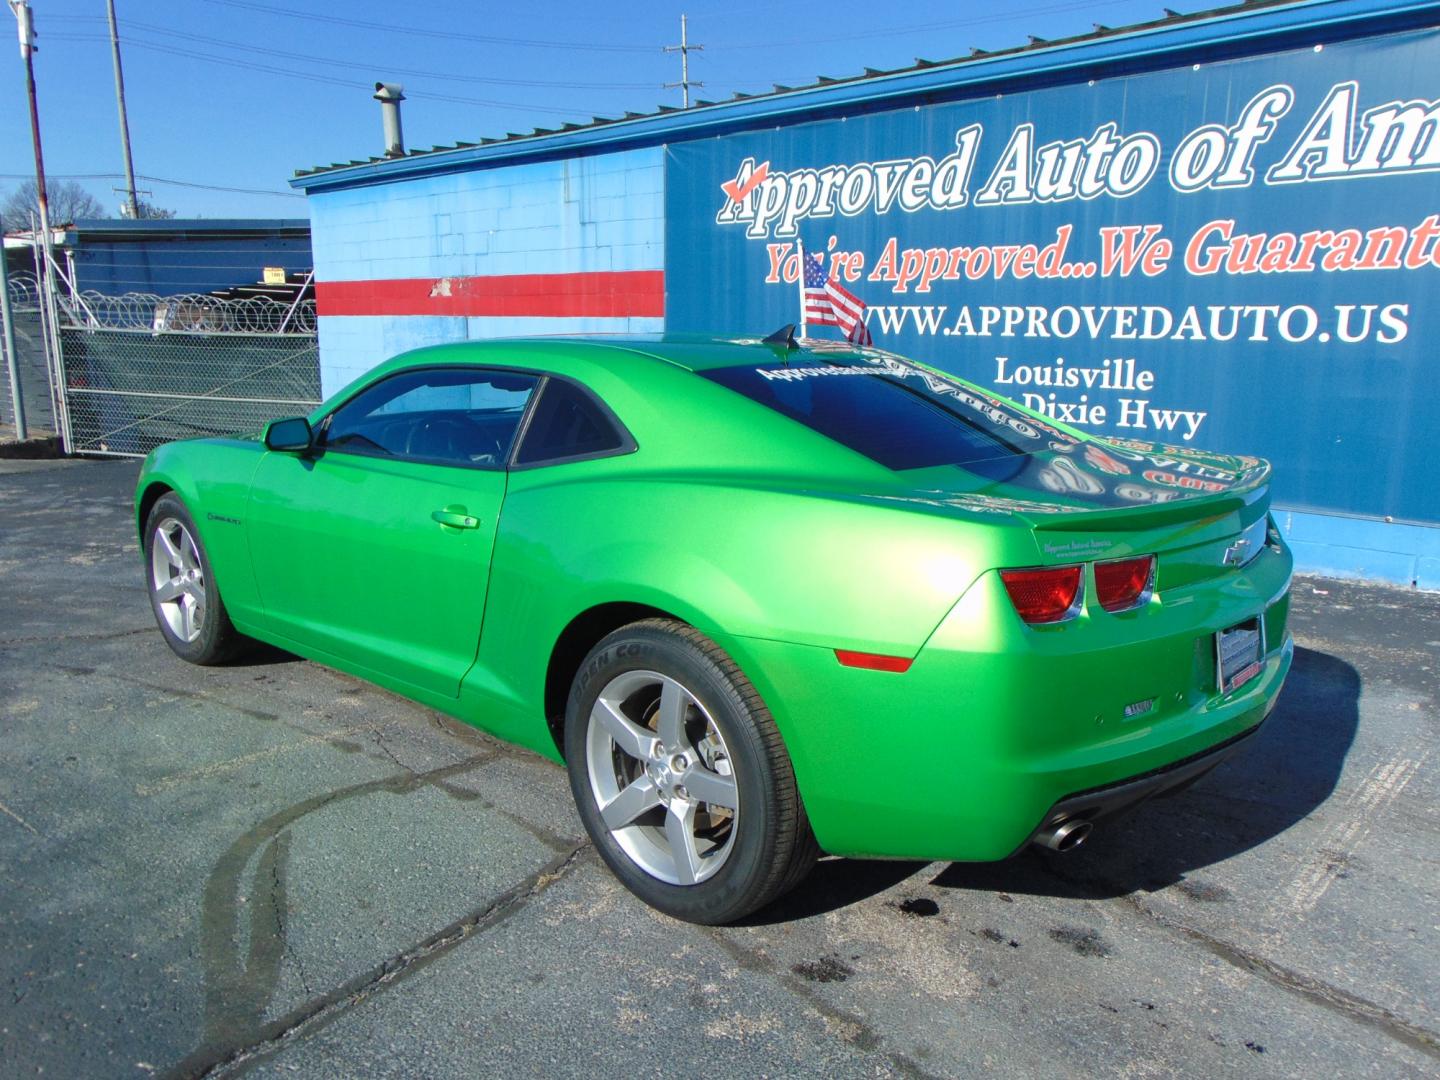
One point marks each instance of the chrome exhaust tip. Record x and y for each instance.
(1065, 836)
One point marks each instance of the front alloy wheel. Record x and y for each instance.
(183, 592)
(177, 579)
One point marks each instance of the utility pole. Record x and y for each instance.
(684, 49)
(25, 21)
(132, 206)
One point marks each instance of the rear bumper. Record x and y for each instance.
(997, 726)
(1107, 801)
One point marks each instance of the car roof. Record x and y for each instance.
(599, 357)
(692, 352)
(696, 352)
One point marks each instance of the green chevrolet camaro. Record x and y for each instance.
(765, 600)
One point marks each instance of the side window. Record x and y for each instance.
(567, 423)
(448, 416)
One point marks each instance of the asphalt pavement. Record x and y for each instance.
(277, 869)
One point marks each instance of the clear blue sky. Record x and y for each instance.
(241, 93)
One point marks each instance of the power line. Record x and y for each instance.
(160, 180)
(386, 66)
(332, 80)
(218, 187)
(134, 42)
(915, 28)
(867, 33)
(411, 72)
(448, 35)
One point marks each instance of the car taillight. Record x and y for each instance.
(1124, 583)
(1044, 594)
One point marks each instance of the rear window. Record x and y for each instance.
(900, 416)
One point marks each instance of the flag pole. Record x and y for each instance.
(800, 247)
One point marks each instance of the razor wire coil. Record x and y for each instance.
(188, 313)
(24, 289)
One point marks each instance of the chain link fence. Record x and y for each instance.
(141, 370)
(30, 359)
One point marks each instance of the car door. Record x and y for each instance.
(375, 546)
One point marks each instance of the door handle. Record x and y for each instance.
(456, 518)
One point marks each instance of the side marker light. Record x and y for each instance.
(873, 661)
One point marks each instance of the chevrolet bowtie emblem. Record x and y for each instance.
(1235, 553)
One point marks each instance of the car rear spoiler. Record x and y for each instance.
(1179, 512)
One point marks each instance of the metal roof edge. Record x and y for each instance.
(132, 229)
(1250, 24)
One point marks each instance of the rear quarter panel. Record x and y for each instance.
(730, 555)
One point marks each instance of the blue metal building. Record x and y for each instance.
(1216, 230)
(183, 255)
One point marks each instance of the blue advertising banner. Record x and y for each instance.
(1240, 256)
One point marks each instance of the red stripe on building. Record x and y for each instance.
(609, 293)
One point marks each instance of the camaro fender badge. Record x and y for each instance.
(222, 517)
(1235, 553)
(1139, 708)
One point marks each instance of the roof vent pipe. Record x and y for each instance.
(390, 95)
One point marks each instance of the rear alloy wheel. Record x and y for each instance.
(668, 798)
(680, 775)
(183, 594)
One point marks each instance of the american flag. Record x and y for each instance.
(828, 303)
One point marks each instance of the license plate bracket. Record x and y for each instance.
(1239, 654)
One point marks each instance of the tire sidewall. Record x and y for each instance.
(205, 646)
(720, 897)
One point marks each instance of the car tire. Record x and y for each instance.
(658, 718)
(183, 592)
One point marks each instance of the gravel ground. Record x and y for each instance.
(278, 869)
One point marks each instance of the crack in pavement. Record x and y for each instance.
(385, 749)
(271, 1038)
(170, 689)
(46, 639)
(239, 988)
(11, 813)
(217, 768)
(552, 840)
(1311, 989)
(276, 898)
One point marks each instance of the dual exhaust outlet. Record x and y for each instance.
(1064, 835)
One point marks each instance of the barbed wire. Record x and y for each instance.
(24, 290)
(188, 313)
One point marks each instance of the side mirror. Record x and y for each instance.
(292, 434)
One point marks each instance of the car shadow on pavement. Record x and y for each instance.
(1289, 770)
(262, 654)
(834, 883)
